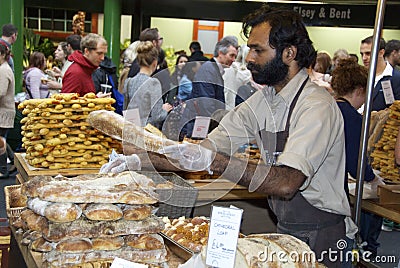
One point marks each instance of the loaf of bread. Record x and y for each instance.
(57, 259)
(117, 127)
(136, 212)
(41, 245)
(57, 212)
(102, 212)
(34, 221)
(107, 243)
(74, 245)
(127, 188)
(145, 241)
(271, 250)
(83, 228)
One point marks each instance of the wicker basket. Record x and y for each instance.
(12, 212)
(178, 201)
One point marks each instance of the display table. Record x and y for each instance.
(20, 255)
(391, 212)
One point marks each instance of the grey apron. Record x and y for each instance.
(320, 229)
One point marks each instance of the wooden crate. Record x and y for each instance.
(27, 172)
(389, 194)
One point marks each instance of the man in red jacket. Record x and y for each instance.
(78, 77)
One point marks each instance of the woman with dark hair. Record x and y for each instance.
(7, 111)
(176, 76)
(144, 92)
(35, 78)
(349, 81)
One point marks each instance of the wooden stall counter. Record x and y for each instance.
(388, 211)
(27, 171)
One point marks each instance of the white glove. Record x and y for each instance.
(122, 163)
(192, 157)
(376, 182)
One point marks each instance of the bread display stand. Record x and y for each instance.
(27, 172)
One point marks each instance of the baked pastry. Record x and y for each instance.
(56, 212)
(102, 212)
(127, 131)
(107, 243)
(144, 241)
(128, 188)
(136, 212)
(83, 228)
(74, 245)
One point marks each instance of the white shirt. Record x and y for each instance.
(316, 138)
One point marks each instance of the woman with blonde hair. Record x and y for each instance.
(144, 92)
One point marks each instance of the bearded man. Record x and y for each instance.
(299, 130)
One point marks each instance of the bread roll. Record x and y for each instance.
(62, 212)
(144, 241)
(58, 259)
(57, 212)
(34, 221)
(136, 212)
(86, 228)
(74, 245)
(103, 212)
(41, 245)
(107, 243)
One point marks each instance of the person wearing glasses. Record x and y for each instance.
(78, 77)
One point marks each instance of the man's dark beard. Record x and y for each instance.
(271, 74)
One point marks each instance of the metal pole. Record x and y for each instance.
(362, 160)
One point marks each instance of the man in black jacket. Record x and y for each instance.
(197, 54)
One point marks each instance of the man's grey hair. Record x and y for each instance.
(91, 40)
(224, 44)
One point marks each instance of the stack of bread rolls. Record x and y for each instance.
(56, 134)
(383, 150)
(92, 218)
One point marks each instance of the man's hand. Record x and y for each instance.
(192, 157)
(122, 163)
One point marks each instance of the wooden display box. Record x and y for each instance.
(389, 194)
(27, 172)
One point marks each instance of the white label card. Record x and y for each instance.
(387, 92)
(121, 263)
(200, 129)
(223, 236)
(133, 116)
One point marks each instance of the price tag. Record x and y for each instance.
(133, 116)
(387, 92)
(223, 236)
(121, 263)
(200, 129)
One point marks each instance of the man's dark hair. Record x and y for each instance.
(9, 29)
(149, 34)
(369, 40)
(287, 29)
(195, 45)
(74, 40)
(392, 45)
